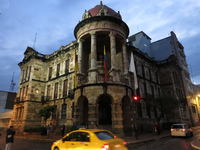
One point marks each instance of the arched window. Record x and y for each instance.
(102, 13)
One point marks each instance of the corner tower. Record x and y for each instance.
(101, 26)
(98, 102)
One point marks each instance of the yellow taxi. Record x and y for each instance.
(90, 139)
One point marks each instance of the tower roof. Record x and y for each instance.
(101, 10)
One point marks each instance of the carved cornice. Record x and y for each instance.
(101, 18)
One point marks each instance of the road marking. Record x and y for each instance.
(194, 145)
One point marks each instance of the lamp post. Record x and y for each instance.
(135, 101)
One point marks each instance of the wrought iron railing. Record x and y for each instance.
(101, 79)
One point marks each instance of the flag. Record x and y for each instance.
(105, 68)
(75, 70)
(132, 69)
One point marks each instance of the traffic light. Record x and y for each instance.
(135, 98)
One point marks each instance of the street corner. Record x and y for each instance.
(196, 144)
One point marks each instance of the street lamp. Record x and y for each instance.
(135, 100)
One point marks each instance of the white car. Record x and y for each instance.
(181, 130)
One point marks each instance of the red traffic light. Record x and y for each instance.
(135, 98)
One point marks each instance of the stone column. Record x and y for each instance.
(93, 51)
(80, 54)
(113, 50)
(125, 59)
(93, 72)
(114, 72)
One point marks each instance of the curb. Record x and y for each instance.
(41, 139)
(146, 141)
(138, 142)
(197, 147)
(165, 136)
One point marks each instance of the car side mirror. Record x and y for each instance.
(64, 139)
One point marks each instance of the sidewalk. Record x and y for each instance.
(148, 137)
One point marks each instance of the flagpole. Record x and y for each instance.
(75, 70)
(105, 67)
(132, 70)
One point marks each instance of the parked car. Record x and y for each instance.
(181, 130)
(90, 139)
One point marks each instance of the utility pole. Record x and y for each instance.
(34, 43)
(12, 85)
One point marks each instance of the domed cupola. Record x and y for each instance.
(101, 10)
(101, 28)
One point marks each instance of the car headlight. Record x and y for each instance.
(56, 142)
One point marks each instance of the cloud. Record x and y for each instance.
(54, 22)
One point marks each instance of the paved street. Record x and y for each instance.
(168, 143)
(165, 144)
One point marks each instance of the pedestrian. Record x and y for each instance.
(63, 130)
(9, 137)
(81, 127)
(153, 127)
(157, 127)
(74, 127)
(51, 130)
(48, 131)
(96, 126)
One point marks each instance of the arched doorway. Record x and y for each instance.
(104, 110)
(126, 109)
(82, 111)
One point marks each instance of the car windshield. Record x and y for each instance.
(177, 126)
(104, 135)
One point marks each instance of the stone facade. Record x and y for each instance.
(49, 80)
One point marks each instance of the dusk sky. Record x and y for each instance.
(54, 22)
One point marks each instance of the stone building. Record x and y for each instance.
(49, 79)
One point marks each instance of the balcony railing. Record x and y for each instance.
(101, 79)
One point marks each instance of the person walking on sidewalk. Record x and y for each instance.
(48, 131)
(9, 137)
(153, 127)
(51, 130)
(157, 127)
(63, 130)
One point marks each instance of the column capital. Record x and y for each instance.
(92, 32)
(80, 40)
(112, 34)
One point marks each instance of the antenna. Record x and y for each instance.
(34, 43)
(12, 85)
(138, 28)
